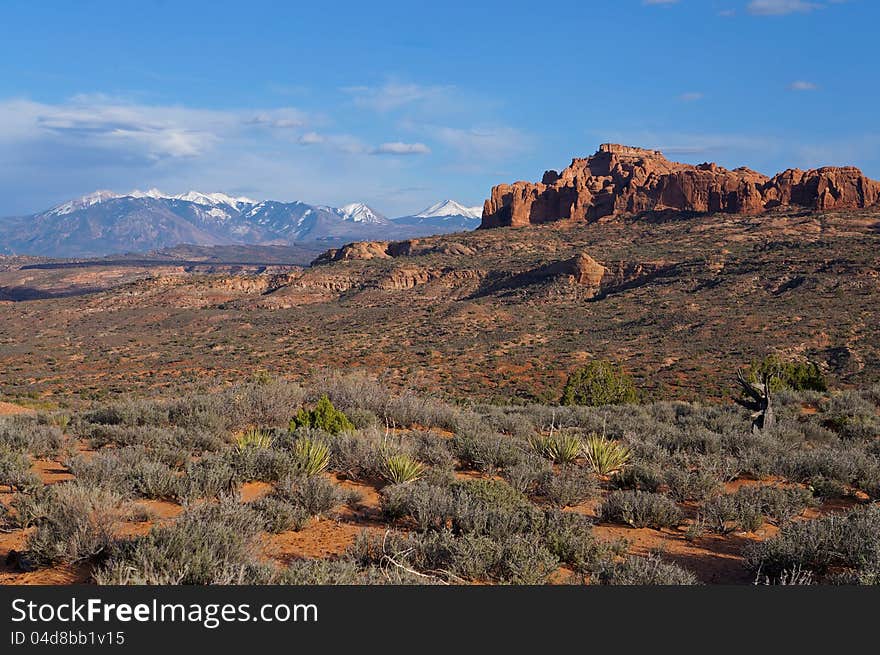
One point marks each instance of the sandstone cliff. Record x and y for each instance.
(620, 180)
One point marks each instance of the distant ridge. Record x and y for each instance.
(105, 223)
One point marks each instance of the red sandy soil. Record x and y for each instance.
(8, 409)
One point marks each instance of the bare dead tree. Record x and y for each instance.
(759, 399)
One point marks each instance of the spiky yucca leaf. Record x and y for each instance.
(311, 456)
(559, 448)
(253, 438)
(401, 468)
(605, 455)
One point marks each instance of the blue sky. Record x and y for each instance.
(401, 104)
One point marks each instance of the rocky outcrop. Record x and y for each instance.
(366, 250)
(622, 180)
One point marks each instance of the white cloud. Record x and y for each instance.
(282, 119)
(802, 85)
(395, 95)
(400, 148)
(152, 132)
(781, 7)
(311, 138)
(691, 96)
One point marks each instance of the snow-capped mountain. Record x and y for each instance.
(105, 222)
(445, 216)
(450, 208)
(358, 212)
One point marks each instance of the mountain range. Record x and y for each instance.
(104, 223)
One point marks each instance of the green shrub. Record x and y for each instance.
(640, 509)
(788, 374)
(599, 383)
(323, 417)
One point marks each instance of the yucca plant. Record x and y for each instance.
(559, 448)
(253, 438)
(604, 455)
(311, 456)
(401, 468)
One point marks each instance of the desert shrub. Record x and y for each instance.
(789, 374)
(279, 514)
(264, 464)
(311, 456)
(562, 448)
(487, 507)
(644, 571)
(32, 505)
(527, 473)
(695, 439)
(323, 417)
(207, 544)
(24, 433)
(485, 451)
(605, 456)
(514, 558)
(130, 412)
(599, 383)
(432, 449)
(850, 541)
(852, 416)
(523, 559)
(356, 455)
(429, 506)
(15, 470)
(492, 507)
(77, 524)
(323, 572)
(129, 471)
(400, 468)
(210, 477)
(570, 486)
(640, 509)
(569, 537)
(731, 512)
(315, 494)
(409, 409)
(638, 477)
(846, 465)
(691, 484)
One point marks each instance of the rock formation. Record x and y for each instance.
(620, 180)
